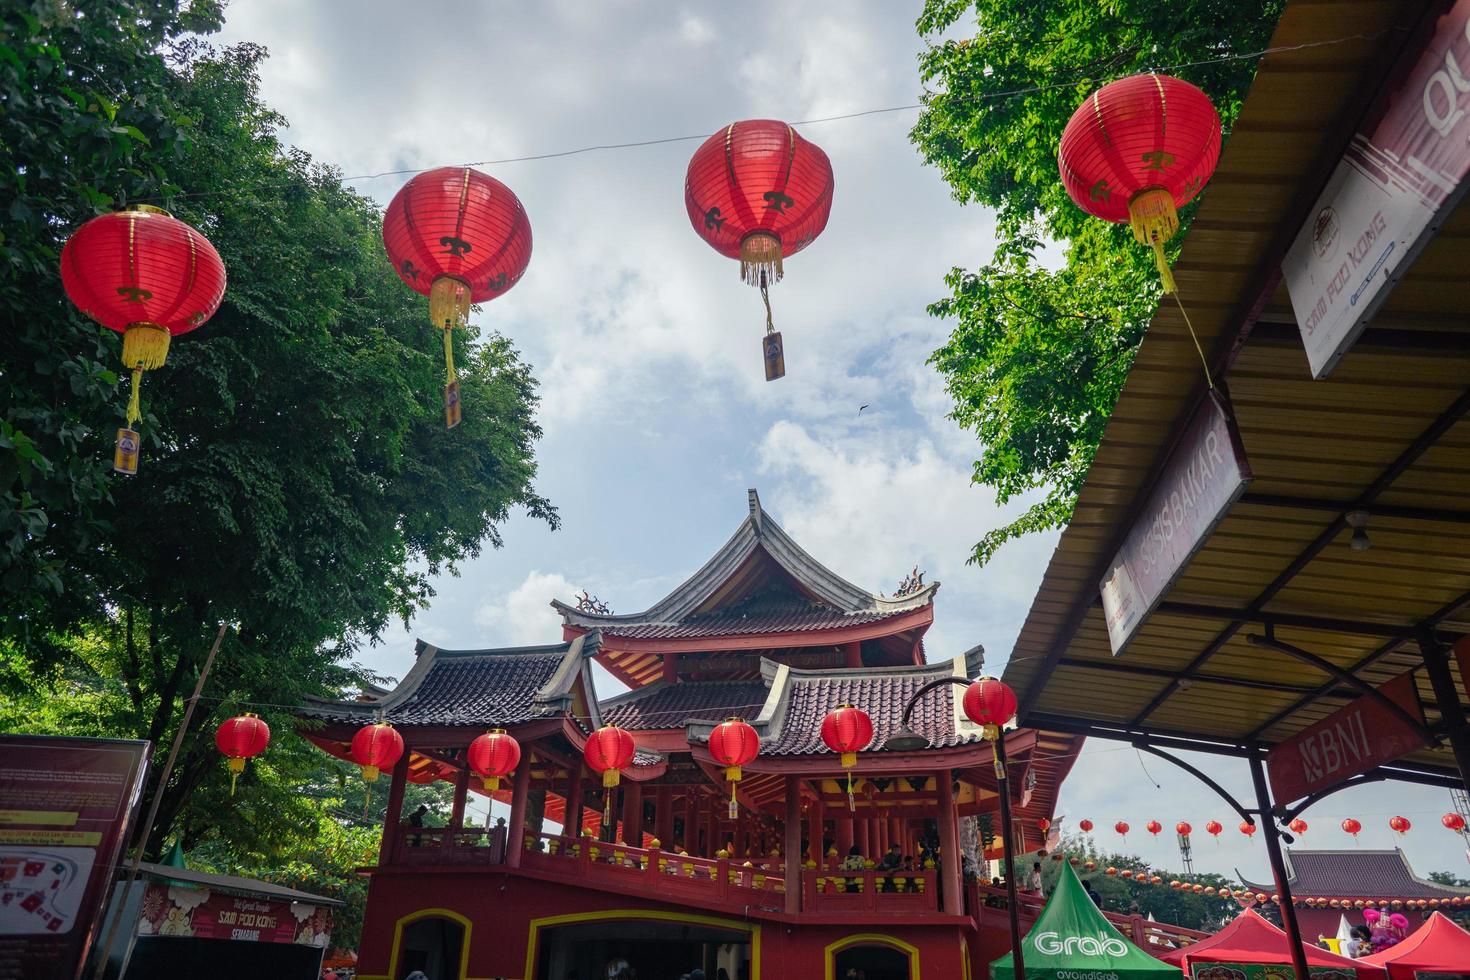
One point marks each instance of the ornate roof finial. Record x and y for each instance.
(591, 604)
(913, 582)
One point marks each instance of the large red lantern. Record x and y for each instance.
(847, 730)
(375, 748)
(1453, 821)
(1138, 150)
(1298, 826)
(493, 756)
(1400, 825)
(732, 744)
(1248, 828)
(240, 738)
(150, 277)
(1351, 826)
(458, 237)
(756, 191)
(609, 750)
(1085, 825)
(1213, 828)
(991, 704)
(1153, 827)
(1122, 828)
(1183, 829)
(1044, 824)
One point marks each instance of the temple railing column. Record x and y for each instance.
(815, 850)
(663, 818)
(515, 843)
(949, 843)
(572, 818)
(393, 815)
(461, 795)
(792, 847)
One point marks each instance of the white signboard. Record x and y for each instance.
(1398, 180)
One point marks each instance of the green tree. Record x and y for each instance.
(1175, 906)
(297, 482)
(1039, 354)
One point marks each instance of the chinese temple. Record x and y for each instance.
(688, 869)
(1328, 884)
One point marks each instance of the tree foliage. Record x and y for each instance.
(1039, 353)
(297, 483)
(1179, 907)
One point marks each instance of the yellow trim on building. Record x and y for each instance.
(829, 955)
(734, 925)
(434, 913)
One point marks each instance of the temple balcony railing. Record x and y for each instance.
(876, 891)
(449, 846)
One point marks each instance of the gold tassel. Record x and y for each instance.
(1154, 221)
(135, 402)
(449, 307)
(237, 766)
(760, 258)
(851, 803)
(145, 345)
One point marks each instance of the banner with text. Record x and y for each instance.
(1353, 739)
(1402, 174)
(1205, 473)
(65, 808)
(186, 911)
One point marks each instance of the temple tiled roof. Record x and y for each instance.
(663, 705)
(1355, 873)
(473, 687)
(791, 722)
(818, 599)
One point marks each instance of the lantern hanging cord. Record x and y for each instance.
(1081, 77)
(135, 404)
(449, 371)
(766, 298)
(1192, 336)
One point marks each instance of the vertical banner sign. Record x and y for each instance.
(65, 808)
(1353, 739)
(1396, 183)
(1205, 473)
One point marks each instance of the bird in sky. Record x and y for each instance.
(860, 409)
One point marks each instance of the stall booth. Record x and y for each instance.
(1251, 947)
(178, 922)
(1439, 949)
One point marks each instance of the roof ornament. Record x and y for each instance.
(588, 603)
(912, 582)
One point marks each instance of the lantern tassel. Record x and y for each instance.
(135, 402)
(1161, 261)
(449, 371)
(237, 766)
(760, 259)
(1154, 221)
(851, 803)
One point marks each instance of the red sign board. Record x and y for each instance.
(1351, 740)
(193, 912)
(65, 805)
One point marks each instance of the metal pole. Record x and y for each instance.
(1278, 869)
(146, 829)
(1002, 786)
(1451, 711)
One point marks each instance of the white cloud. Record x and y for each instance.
(525, 617)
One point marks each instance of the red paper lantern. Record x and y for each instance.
(1453, 821)
(1298, 826)
(239, 738)
(150, 277)
(991, 704)
(847, 731)
(1182, 828)
(1138, 150)
(1155, 880)
(1197, 889)
(458, 237)
(1153, 827)
(733, 744)
(1126, 873)
(1121, 827)
(1044, 824)
(1085, 825)
(1400, 824)
(1248, 828)
(1213, 828)
(1090, 865)
(756, 191)
(1209, 889)
(493, 756)
(609, 750)
(1111, 871)
(375, 748)
(1351, 826)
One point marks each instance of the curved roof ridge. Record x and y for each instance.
(757, 530)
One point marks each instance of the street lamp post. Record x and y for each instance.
(909, 740)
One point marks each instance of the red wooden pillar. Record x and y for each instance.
(515, 844)
(632, 814)
(949, 843)
(663, 818)
(388, 850)
(792, 848)
(881, 826)
(864, 845)
(844, 834)
(852, 654)
(712, 817)
(670, 665)
(815, 850)
(461, 793)
(572, 821)
(896, 833)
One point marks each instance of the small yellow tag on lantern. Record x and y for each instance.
(451, 405)
(774, 354)
(125, 452)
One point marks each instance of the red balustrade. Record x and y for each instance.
(889, 892)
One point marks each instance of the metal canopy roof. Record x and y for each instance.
(1386, 433)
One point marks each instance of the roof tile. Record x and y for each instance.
(882, 695)
(1373, 874)
(670, 706)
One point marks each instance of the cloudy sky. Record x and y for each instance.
(646, 344)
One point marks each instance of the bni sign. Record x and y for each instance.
(1205, 473)
(1399, 178)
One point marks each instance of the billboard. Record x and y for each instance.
(65, 809)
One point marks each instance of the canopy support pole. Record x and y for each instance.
(1013, 904)
(1278, 870)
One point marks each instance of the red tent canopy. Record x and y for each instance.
(1251, 939)
(1437, 946)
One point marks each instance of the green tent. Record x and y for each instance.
(1073, 939)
